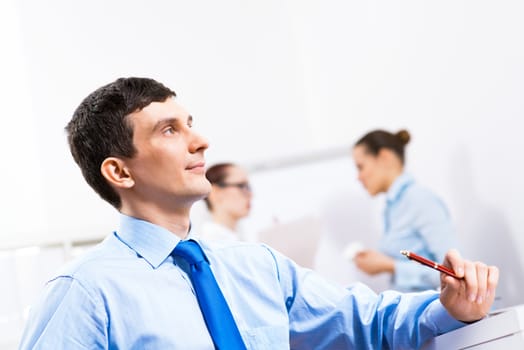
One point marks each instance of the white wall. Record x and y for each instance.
(21, 185)
(272, 79)
(453, 74)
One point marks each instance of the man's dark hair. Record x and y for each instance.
(100, 128)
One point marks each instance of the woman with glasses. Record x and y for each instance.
(228, 202)
(415, 219)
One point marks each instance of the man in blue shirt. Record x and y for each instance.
(136, 147)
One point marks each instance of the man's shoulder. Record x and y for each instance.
(237, 247)
(97, 260)
(242, 253)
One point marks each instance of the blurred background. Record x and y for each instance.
(283, 88)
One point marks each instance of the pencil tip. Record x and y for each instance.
(404, 252)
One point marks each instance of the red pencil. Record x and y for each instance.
(427, 262)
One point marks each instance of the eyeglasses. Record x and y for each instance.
(243, 186)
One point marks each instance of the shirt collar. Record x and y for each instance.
(399, 185)
(150, 241)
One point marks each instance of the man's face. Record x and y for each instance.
(168, 169)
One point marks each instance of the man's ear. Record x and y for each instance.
(117, 173)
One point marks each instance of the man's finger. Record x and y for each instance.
(470, 278)
(455, 262)
(482, 281)
(493, 279)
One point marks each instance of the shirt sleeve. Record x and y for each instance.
(323, 316)
(433, 224)
(66, 317)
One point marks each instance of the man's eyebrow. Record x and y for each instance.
(163, 122)
(167, 121)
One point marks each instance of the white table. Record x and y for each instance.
(501, 330)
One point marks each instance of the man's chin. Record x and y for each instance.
(202, 196)
(203, 191)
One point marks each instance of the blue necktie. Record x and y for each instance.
(213, 305)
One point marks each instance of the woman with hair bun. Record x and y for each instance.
(415, 219)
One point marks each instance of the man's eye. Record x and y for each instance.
(169, 130)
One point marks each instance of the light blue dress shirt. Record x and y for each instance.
(129, 293)
(416, 220)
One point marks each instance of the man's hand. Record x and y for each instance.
(373, 262)
(470, 298)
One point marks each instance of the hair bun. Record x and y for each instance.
(403, 136)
